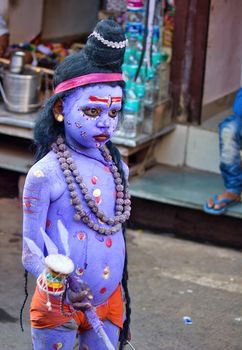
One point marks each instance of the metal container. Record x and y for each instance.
(17, 62)
(21, 92)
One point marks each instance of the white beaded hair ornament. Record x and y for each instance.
(113, 44)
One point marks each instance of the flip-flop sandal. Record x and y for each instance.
(229, 202)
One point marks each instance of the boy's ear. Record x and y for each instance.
(58, 111)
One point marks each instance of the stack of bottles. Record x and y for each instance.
(151, 84)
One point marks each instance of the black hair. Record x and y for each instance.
(95, 57)
(25, 298)
(124, 334)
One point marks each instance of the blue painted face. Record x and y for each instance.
(91, 115)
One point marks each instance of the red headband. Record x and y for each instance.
(87, 79)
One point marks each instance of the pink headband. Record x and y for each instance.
(87, 79)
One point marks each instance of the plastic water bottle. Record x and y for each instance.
(156, 58)
(164, 78)
(149, 101)
(135, 16)
(139, 46)
(140, 92)
(131, 126)
(156, 62)
(149, 88)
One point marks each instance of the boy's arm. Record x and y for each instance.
(36, 201)
(126, 171)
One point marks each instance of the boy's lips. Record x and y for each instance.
(101, 137)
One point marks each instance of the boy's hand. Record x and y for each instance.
(81, 300)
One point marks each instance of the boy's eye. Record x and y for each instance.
(92, 112)
(113, 113)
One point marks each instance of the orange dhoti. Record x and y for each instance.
(40, 317)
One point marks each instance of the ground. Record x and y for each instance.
(169, 279)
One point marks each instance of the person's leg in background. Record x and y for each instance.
(230, 139)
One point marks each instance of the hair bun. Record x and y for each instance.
(110, 30)
(95, 57)
(102, 55)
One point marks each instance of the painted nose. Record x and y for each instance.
(105, 123)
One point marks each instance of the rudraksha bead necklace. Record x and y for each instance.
(73, 178)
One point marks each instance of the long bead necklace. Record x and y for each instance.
(73, 178)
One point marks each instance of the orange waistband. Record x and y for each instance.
(40, 317)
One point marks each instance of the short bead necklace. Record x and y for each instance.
(72, 175)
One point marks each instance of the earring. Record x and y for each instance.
(59, 117)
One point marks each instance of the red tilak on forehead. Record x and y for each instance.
(107, 100)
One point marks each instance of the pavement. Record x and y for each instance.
(180, 186)
(169, 279)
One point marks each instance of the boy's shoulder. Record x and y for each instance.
(45, 167)
(125, 169)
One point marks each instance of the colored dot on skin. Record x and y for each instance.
(103, 290)
(27, 204)
(106, 168)
(109, 242)
(96, 192)
(81, 236)
(106, 273)
(94, 180)
(85, 347)
(48, 223)
(79, 271)
(39, 173)
(57, 346)
(78, 125)
(97, 200)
